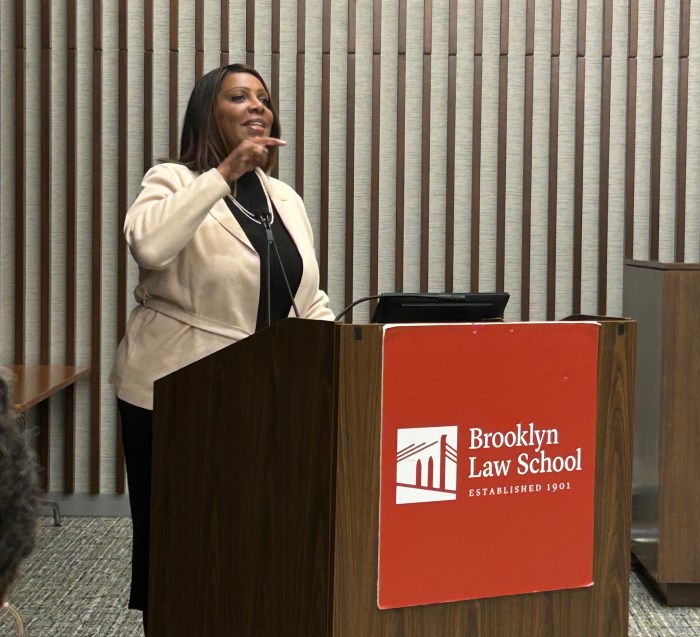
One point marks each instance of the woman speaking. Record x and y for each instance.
(198, 231)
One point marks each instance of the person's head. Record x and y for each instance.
(226, 105)
(18, 489)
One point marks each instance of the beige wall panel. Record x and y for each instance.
(492, 27)
(438, 144)
(212, 34)
(514, 157)
(135, 128)
(387, 143)
(236, 30)
(58, 229)
(565, 173)
(263, 39)
(517, 27)
(84, 239)
(59, 59)
(543, 29)
(337, 141)
(7, 181)
(616, 192)
(540, 160)
(56, 442)
(110, 212)
(594, 27)
(412, 187)
(312, 113)
(489, 147)
(186, 59)
(463, 145)
(692, 200)
(33, 145)
(287, 101)
(363, 157)
(591, 185)
(669, 112)
(642, 190)
(161, 78)
(591, 171)
(569, 22)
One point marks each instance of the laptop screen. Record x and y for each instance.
(467, 307)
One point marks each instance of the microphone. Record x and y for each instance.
(271, 244)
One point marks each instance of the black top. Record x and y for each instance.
(250, 194)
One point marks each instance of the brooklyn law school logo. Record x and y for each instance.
(426, 464)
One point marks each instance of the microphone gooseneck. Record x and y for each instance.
(265, 218)
(357, 302)
(271, 243)
(441, 296)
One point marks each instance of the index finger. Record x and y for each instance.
(269, 141)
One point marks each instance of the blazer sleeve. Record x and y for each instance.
(168, 211)
(319, 307)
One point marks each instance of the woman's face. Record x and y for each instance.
(242, 109)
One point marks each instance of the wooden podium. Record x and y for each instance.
(268, 527)
(665, 300)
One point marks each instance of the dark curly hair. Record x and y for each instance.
(18, 488)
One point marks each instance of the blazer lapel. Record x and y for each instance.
(290, 220)
(224, 216)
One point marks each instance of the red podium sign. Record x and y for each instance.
(487, 465)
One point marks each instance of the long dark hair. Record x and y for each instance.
(202, 146)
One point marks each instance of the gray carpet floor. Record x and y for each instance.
(75, 584)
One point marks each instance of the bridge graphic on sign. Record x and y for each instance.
(426, 464)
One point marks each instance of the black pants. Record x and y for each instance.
(137, 434)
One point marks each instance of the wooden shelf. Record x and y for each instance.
(38, 382)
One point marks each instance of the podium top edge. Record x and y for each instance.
(658, 265)
(576, 318)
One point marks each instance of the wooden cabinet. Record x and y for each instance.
(664, 299)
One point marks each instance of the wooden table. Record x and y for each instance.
(35, 384)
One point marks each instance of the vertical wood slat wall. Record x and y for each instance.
(439, 145)
(96, 344)
(122, 204)
(553, 161)
(45, 224)
(71, 153)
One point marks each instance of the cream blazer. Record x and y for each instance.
(199, 276)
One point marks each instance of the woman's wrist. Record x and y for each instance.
(226, 173)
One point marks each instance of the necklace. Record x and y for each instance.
(247, 212)
(17, 617)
